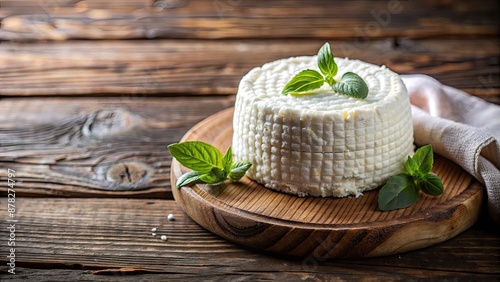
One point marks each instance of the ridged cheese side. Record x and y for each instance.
(324, 144)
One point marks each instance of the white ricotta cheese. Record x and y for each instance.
(325, 144)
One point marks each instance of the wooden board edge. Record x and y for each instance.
(438, 227)
(373, 240)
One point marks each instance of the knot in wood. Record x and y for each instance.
(169, 4)
(107, 123)
(128, 174)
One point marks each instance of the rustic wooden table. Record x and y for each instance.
(93, 91)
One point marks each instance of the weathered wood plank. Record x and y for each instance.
(88, 147)
(61, 20)
(113, 237)
(215, 67)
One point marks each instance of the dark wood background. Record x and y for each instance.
(92, 92)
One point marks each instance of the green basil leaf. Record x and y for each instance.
(238, 171)
(215, 176)
(196, 155)
(227, 160)
(304, 81)
(352, 85)
(424, 158)
(187, 179)
(411, 167)
(399, 192)
(431, 184)
(326, 62)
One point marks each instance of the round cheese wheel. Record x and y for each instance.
(322, 143)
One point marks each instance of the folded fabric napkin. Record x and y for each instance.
(460, 127)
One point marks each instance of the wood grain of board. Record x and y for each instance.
(59, 239)
(247, 19)
(96, 147)
(178, 67)
(250, 214)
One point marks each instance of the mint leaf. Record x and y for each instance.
(411, 167)
(304, 81)
(399, 192)
(326, 63)
(352, 85)
(215, 176)
(238, 171)
(424, 158)
(187, 179)
(227, 160)
(431, 184)
(196, 155)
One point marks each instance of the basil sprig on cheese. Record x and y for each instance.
(307, 80)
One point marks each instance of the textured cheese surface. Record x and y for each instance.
(325, 144)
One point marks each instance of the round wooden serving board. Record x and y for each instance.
(318, 228)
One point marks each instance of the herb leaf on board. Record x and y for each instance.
(207, 163)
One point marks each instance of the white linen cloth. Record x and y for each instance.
(460, 127)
